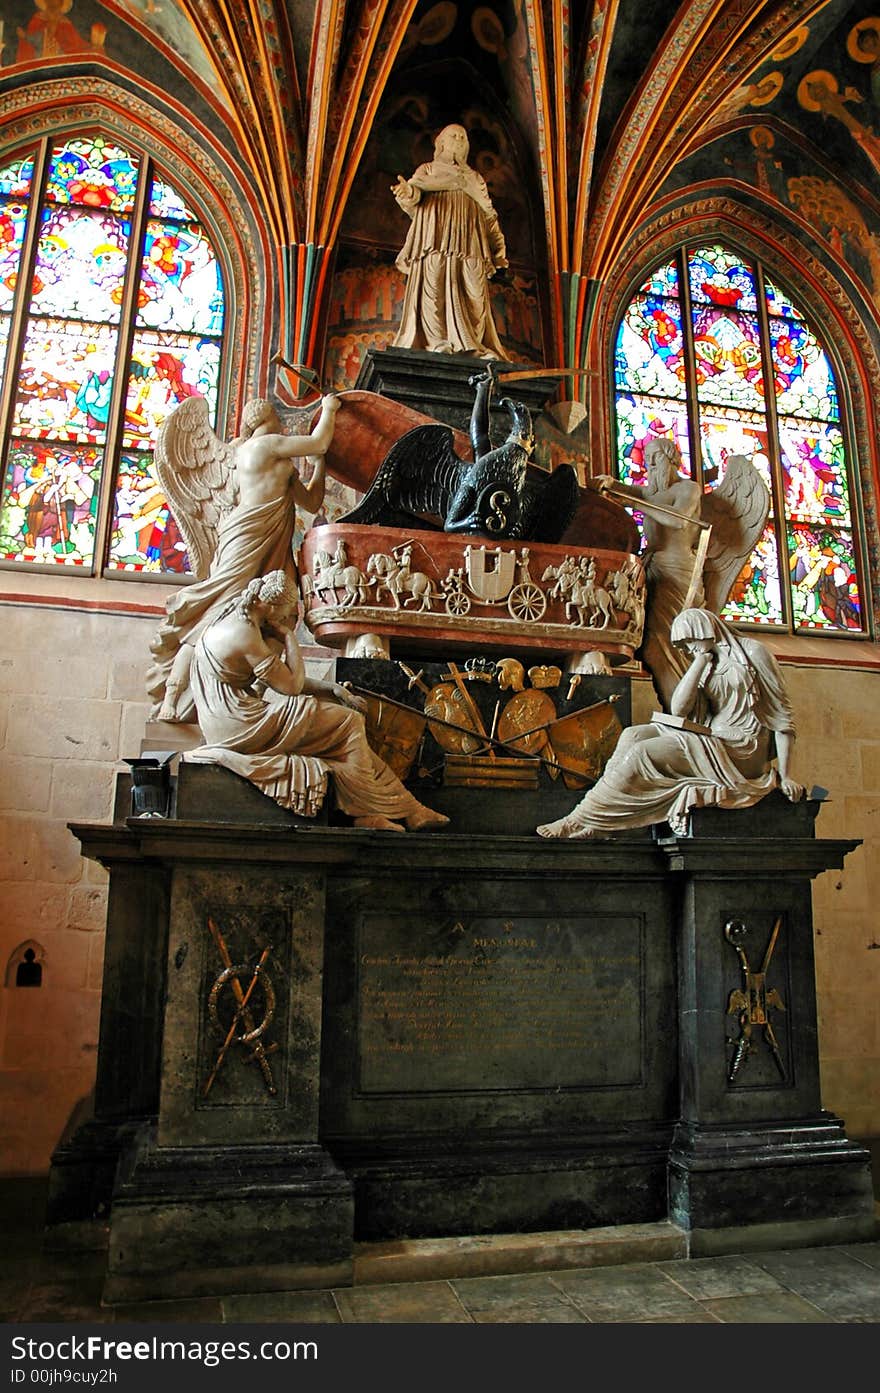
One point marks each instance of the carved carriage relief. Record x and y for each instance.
(367, 580)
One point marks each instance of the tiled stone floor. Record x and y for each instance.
(831, 1285)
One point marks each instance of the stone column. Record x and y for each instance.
(753, 1150)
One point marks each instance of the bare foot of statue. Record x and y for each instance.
(378, 824)
(425, 820)
(565, 827)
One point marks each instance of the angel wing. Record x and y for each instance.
(196, 471)
(416, 480)
(737, 511)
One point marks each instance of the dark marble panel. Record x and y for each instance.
(484, 1004)
(218, 1086)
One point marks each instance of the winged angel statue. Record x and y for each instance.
(696, 544)
(235, 504)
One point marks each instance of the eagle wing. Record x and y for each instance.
(196, 471)
(549, 505)
(737, 511)
(416, 480)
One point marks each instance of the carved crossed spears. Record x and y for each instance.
(251, 1036)
(753, 1003)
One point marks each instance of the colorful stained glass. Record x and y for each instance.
(778, 302)
(145, 536)
(165, 370)
(663, 281)
(180, 284)
(814, 473)
(15, 178)
(640, 419)
(80, 268)
(65, 381)
(49, 504)
(70, 354)
(721, 277)
(727, 349)
(13, 220)
(824, 583)
(91, 171)
(806, 464)
(650, 348)
(805, 384)
(732, 433)
(756, 596)
(166, 202)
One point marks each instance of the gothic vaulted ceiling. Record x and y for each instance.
(609, 100)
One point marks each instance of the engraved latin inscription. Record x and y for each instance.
(488, 1003)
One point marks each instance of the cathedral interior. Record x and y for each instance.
(195, 198)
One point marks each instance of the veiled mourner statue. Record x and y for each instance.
(265, 719)
(236, 506)
(453, 247)
(681, 573)
(733, 688)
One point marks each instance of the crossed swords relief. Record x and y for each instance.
(251, 1036)
(753, 1003)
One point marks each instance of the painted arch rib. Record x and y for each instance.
(657, 103)
(326, 43)
(265, 125)
(379, 35)
(592, 80)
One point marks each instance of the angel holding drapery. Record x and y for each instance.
(235, 504)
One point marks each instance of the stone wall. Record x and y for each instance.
(71, 706)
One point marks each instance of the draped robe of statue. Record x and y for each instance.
(287, 745)
(658, 773)
(453, 246)
(250, 541)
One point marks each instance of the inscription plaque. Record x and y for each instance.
(483, 1002)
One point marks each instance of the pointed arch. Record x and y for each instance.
(826, 297)
(79, 485)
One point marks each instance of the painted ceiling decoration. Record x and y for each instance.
(607, 99)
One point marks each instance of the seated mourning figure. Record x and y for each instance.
(735, 718)
(266, 720)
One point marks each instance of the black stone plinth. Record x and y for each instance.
(188, 1221)
(437, 384)
(807, 1171)
(472, 1031)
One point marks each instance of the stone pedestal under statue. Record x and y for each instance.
(315, 1035)
(438, 383)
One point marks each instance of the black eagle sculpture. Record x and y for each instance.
(422, 482)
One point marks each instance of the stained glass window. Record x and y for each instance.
(111, 312)
(712, 354)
